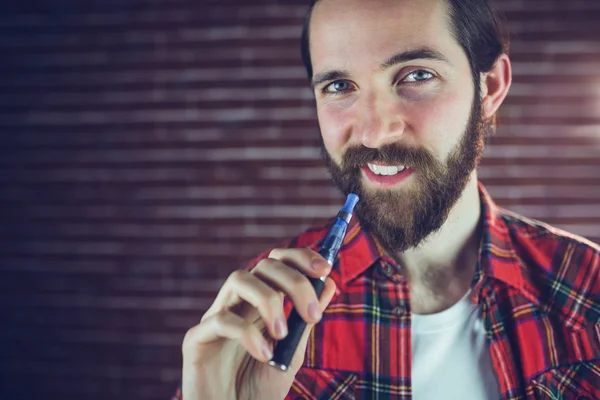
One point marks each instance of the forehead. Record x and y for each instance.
(351, 31)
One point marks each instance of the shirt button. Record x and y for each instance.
(389, 270)
(398, 310)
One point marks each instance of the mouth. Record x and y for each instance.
(384, 175)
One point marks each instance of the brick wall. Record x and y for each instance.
(148, 148)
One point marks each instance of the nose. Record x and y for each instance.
(379, 122)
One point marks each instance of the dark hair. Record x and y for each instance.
(476, 26)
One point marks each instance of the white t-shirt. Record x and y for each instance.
(451, 357)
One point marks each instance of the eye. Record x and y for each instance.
(337, 87)
(418, 76)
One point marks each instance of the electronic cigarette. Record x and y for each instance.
(286, 347)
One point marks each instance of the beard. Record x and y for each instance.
(403, 219)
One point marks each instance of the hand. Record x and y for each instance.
(225, 356)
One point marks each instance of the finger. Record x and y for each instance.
(326, 297)
(264, 301)
(293, 283)
(227, 325)
(328, 293)
(305, 260)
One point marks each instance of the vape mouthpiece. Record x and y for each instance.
(351, 201)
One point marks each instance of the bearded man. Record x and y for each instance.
(437, 292)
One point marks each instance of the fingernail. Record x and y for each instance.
(314, 310)
(318, 264)
(280, 328)
(267, 351)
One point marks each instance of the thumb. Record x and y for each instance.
(326, 296)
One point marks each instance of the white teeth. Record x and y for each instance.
(385, 170)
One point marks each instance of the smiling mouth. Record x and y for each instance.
(386, 170)
(386, 176)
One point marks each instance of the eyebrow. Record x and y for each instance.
(329, 76)
(410, 55)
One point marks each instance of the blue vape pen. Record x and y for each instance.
(286, 347)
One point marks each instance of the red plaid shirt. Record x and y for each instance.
(538, 289)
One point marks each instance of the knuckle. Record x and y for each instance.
(267, 302)
(310, 253)
(246, 332)
(220, 318)
(249, 330)
(306, 287)
(206, 315)
(276, 253)
(237, 275)
(274, 300)
(299, 281)
(187, 338)
(264, 264)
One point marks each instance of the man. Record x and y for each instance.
(437, 293)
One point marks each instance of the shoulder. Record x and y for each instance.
(534, 238)
(561, 269)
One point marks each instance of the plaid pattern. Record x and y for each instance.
(538, 289)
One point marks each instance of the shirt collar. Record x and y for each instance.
(497, 257)
(359, 251)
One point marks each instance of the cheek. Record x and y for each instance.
(335, 124)
(440, 120)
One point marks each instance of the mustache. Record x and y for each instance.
(391, 154)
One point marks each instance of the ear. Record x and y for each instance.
(495, 85)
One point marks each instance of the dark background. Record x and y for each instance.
(149, 148)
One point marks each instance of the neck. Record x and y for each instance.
(439, 271)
